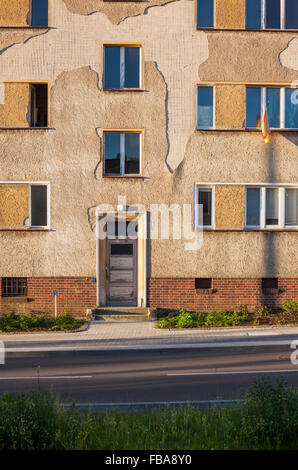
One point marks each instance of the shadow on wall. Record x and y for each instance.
(270, 297)
(292, 137)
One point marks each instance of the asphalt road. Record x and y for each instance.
(148, 375)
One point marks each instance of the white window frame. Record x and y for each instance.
(202, 187)
(122, 153)
(281, 208)
(282, 16)
(201, 128)
(48, 206)
(282, 106)
(122, 65)
(205, 27)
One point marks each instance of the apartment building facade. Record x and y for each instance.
(110, 109)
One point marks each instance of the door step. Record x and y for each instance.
(121, 314)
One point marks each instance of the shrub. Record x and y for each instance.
(186, 319)
(261, 314)
(270, 413)
(26, 322)
(290, 307)
(266, 419)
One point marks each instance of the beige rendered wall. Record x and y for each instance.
(14, 12)
(14, 110)
(69, 155)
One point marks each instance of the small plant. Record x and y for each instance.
(260, 314)
(290, 307)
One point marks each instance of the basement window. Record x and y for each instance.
(271, 14)
(205, 13)
(281, 104)
(122, 153)
(38, 109)
(39, 13)
(39, 206)
(14, 287)
(122, 67)
(203, 283)
(269, 283)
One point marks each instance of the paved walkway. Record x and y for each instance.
(143, 335)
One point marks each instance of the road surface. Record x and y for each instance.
(146, 376)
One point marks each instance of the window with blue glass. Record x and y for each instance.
(39, 13)
(122, 67)
(205, 107)
(281, 103)
(122, 153)
(253, 106)
(272, 97)
(271, 14)
(205, 13)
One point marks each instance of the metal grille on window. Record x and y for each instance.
(14, 287)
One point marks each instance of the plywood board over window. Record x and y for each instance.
(14, 111)
(229, 207)
(14, 12)
(14, 204)
(230, 14)
(230, 106)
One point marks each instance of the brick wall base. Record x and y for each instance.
(75, 295)
(169, 293)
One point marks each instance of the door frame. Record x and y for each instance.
(141, 217)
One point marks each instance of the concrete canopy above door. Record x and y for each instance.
(102, 218)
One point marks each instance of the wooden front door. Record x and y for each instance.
(121, 272)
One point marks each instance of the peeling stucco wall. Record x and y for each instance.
(64, 48)
(115, 13)
(248, 57)
(69, 156)
(230, 106)
(14, 12)
(289, 56)
(230, 14)
(14, 111)
(229, 207)
(14, 204)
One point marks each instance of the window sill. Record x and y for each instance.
(247, 30)
(295, 230)
(240, 129)
(124, 176)
(205, 291)
(271, 290)
(25, 229)
(24, 27)
(14, 299)
(27, 128)
(121, 90)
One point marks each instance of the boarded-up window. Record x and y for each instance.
(39, 209)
